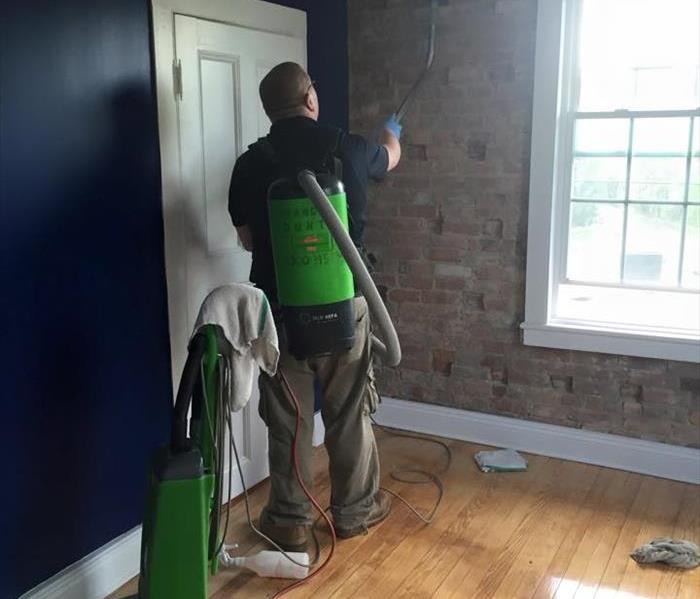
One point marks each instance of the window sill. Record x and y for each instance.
(609, 340)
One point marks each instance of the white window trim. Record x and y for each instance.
(551, 131)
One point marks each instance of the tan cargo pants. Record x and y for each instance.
(349, 396)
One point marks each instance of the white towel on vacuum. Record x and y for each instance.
(243, 313)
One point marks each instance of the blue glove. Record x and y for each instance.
(394, 126)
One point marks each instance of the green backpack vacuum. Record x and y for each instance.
(315, 286)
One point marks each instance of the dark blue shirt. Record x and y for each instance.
(298, 143)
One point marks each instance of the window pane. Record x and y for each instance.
(606, 136)
(694, 183)
(653, 244)
(599, 178)
(691, 253)
(659, 159)
(661, 136)
(595, 242)
(639, 54)
(657, 179)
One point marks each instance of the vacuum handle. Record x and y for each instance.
(388, 347)
(190, 376)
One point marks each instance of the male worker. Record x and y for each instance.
(296, 140)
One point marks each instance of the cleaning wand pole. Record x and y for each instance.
(403, 107)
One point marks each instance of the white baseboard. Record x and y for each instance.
(612, 451)
(97, 574)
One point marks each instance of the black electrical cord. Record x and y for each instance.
(399, 474)
(233, 451)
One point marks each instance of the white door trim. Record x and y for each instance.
(253, 14)
(589, 447)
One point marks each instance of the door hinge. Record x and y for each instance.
(177, 78)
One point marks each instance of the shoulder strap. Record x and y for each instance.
(333, 154)
(264, 148)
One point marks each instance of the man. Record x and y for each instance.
(296, 140)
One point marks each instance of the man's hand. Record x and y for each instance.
(390, 140)
(246, 237)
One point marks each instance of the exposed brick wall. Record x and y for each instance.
(449, 229)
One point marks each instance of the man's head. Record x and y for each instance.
(287, 90)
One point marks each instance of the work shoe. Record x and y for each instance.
(380, 510)
(289, 538)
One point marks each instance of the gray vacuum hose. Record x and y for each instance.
(388, 347)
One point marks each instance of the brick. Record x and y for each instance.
(493, 228)
(476, 150)
(415, 152)
(452, 219)
(474, 301)
(443, 360)
(562, 383)
(690, 384)
(416, 281)
(628, 389)
(418, 210)
(452, 270)
(404, 295)
(436, 296)
(421, 268)
(446, 254)
(504, 73)
(451, 283)
(631, 406)
(694, 418)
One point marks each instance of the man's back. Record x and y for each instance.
(294, 144)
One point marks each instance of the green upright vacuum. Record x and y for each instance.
(180, 531)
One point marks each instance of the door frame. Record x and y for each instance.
(252, 14)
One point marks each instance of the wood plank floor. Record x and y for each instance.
(560, 530)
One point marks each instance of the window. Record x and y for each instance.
(614, 222)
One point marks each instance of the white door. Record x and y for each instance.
(219, 115)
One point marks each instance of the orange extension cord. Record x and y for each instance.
(295, 401)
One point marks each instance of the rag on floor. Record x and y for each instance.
(680, 554)
(500, 460)
(243, 314)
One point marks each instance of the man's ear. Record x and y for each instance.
(311, 100)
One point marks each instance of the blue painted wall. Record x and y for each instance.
(85, 357)
(84, 351)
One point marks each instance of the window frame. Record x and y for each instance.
(548, 213)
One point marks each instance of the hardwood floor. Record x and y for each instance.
(560, 530)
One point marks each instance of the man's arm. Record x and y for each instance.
(390, 140)
(239, 193)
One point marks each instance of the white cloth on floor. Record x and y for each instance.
(677, 553)
(243, 314)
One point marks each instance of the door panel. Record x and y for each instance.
(219, 115)
(221, 139)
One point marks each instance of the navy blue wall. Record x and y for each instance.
(84, 354)
(327, 48)
(85, 358)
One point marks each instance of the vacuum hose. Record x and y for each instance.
(388, 346)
